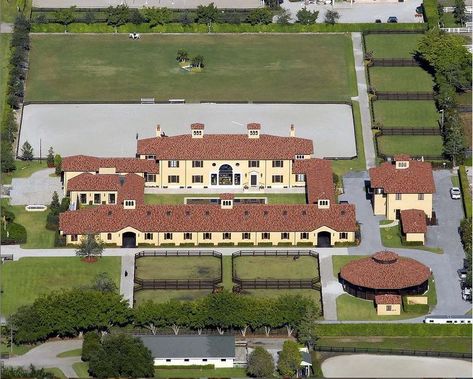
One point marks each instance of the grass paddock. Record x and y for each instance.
(237, 67)
(406, 113)
(162, 296)
(411, 145)
(275, 267)
(272, 198)
(25, 280)
(392, 45)
(178, 267)
(401, 79)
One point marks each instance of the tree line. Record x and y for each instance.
(70, 313)
(18, 66)
(204, 14)
(446, 57)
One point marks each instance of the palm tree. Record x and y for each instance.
(90, 247)
(182, 56)
(198, 61)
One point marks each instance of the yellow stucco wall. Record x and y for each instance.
(415, 237)
(381, 309)
(104, 199)
(417, 299)
(387, 205)
(264, 174)
(216, 238)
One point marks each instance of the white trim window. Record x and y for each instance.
(173, 164)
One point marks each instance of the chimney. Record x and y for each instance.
(253, 130)
(158, 131)
(197, 130)
(292, 133)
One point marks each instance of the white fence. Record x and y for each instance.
(457, 30)
(468, 9)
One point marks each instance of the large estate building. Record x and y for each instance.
(249, 161)
(402, 185)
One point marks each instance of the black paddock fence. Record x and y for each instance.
(423, 131)
(404, 95)
(464, 108)
(373, 350)
(393, 62)
(177, 284)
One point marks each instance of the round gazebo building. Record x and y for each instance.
(384, 273)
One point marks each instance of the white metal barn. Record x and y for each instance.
(191, 350)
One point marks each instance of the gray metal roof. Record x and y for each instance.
(190, 346)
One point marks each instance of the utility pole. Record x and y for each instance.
(442, 111)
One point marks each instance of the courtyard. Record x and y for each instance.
(112, 129)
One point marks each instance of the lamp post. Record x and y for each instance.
(442, 120)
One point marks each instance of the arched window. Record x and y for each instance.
(225, 175)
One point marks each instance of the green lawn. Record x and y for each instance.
(37, 236)
(81, 369)
(24, 280)
(267, 267)
(8, 9)
(405, 113)
(464, 98)
(16, 350)
(162, 296)
(70, 353)
(237, 67)
(24, 169)
(311, 294)
(273, 198)
(178, 267)
(341, 167)
(467, 128)
(56, 372)
(392, 45)
(200, 373)
(455, 181)
(227, 272)
(444, 344)
(391, 237)
(412, 145)
(4, 55)
(401, 79)
(341, 260)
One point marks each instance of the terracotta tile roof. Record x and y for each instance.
(319, 178)
(413, 221)
(385, 270)
(226, 196)
(402, 157)
(128, 187)
(209, 218)
(417, 178)
(225, 146)
(86, 163)
(387, 299)
(197, 126)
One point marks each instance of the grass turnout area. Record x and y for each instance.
(70, 353)
(81, 369)
(24, 169)
(272, 198)
(401, 79)
(37, 236)
(392, 45)
(405, 113)
(178, 267)
(200, 373)
(442, 344)
(412, 145)
(162, 296)
(272, 267)
(25, 280)
(237, 67)
(4, 55)
(391, 237)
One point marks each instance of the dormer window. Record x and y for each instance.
(402, 164)
(129, 204)
(300, 156)
(227, 204)
(324, 203)
(253, 130)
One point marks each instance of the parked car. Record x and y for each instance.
(392, 20)
(462, 273)
(455, 193)
(466, 294)
(420, 9)
(378, 21)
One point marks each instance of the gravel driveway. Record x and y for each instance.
(36, 189)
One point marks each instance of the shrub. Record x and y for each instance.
(260, 363)
(90, 346)
(16, 234)
(465, 188)
(431, 15)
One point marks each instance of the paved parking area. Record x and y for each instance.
(111, 129)
(361, 12)
(36, 189)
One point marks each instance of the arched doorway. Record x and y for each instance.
(225, 175)
(324, 239)
(129, 239)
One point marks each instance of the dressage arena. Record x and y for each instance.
(112, 129)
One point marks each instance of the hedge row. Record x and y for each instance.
(225, 28)
(393, 329)
(431, 14)
(465, 188)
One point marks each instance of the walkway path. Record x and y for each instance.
(45, 356)
(363, 100)
(127, 276)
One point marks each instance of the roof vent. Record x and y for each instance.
(207, 213)
(168, 213)
(342, 213)
(265, 213)
(188, 213)
(121, 178)
(304, 213)
(284, 213)
(247, 213)
(109, 213)
(148, 213)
